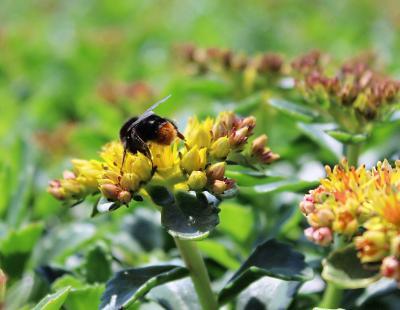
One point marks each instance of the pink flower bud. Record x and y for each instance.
(307, 207)
(308, 232)
(390, 267)
(323, 236)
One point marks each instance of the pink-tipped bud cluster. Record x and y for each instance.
(390, 268)
(322, 236)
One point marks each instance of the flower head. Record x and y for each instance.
(362, 204)
(198, 164)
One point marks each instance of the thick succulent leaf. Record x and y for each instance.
(130, 284)
(343, 268)
(347, 138)
(296, 111)
(178, 294)
(273, 259)
(192, 216)
(381, 288)
(97, 264)
(16, 247)
(53, 301)
(84, 298)
(267, 293)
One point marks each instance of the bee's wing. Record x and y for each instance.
(148, 112)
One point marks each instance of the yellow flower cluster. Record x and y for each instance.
(363, 205)
(197, 164)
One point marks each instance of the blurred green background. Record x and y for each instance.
(72, 71)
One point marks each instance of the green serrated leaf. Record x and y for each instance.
(53, 301)
(293, 110)
(273, 259)
(192, 216)
(343, 268)
(130, 284)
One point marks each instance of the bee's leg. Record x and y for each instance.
(140, 146)
(123, 160)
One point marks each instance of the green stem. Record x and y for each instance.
(332, 297)
(333, 294)
(352, 152)
(198, 272)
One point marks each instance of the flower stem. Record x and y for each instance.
(332, 297)
(352, 152)
(333, 294)
(198, 272)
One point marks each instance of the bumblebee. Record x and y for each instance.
(148, 127)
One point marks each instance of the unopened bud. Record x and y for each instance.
(323, 236)
(216, 171)
(239, 137)
(124, 197)
(390, 267)
(219, 187)
(197, 180)
(258, 145)
(220, 148)
(249, 122)
(110, 191)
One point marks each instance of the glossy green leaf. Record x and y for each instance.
(130, 284)
(16, 247)
(192, 216)
(97, 264)
(53, 301)
(84, 298)
(267, 293)
(271, 258)
(22, 240)
(296, 111)
(381, 288)
(178, 294)
(343, 268)
(103, 206)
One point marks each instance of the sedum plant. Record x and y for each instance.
(186, 181)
